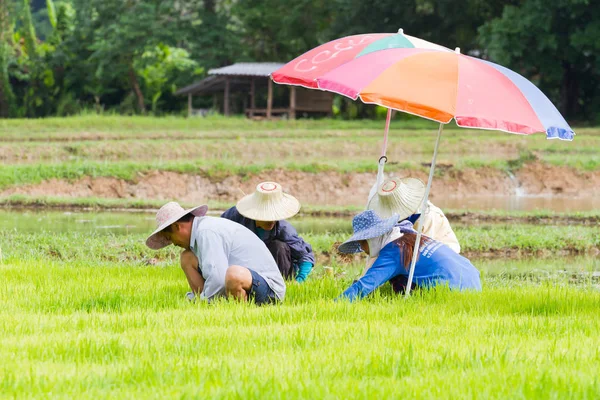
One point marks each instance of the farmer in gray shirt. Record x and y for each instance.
(221, 257)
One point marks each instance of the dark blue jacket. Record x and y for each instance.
(283, 231)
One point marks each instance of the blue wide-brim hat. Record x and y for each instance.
(367, 225)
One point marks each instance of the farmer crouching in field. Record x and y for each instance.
(264, 213)
(403, 197)
(220, 257)
(392, 244)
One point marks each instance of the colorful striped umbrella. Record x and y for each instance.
(412, 75)
(316, 63)
(444, 85)
(407, 74)
(306, 69)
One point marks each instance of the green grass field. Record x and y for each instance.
(100, 146)
(79, 329)
(515, 240)
(88, 311)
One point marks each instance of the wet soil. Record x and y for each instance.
(324, 188)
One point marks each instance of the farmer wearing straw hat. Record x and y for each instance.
(220, 257)
(403, 196)
(264, 212)
(392, 244)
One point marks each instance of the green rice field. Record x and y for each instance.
(88, 330)
(118, 146)
(91, 312)
(88, 311)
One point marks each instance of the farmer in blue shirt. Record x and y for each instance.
(392, 244)
(264, 213)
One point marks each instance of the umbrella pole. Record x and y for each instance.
(421, 209)
(388, 119)
(380, 168)
(383, 158)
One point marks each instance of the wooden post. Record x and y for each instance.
(270, 98)
(189, 105)
(292, 102)
(226, 98)
(252, 98)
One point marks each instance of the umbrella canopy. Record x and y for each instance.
(441, 85)
(411, 75)
(304, 70)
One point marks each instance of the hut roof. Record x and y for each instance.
(215, 81)
(247, 69)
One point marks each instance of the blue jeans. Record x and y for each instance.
(260, 291)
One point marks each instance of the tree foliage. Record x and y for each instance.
(131, 55)
(557, 45)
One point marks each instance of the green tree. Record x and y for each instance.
(39, 72)
(28, 30)
(7, 97)
(274, 30)
(438, 21)
(122, 31)
(51, 13)
(208, 33)
(160, 69)
(557, 45)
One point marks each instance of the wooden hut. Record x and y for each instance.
(247, 79)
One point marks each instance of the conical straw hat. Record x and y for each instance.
(401, 196)
(268, 203)
(168, 214)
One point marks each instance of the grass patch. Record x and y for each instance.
(581, 162)
(475, 240)
(115, 123)
(11, 175)
(530, 238)
(125, 331)
(20, 201)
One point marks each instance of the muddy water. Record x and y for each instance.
(122, 223)
(519, 203)
(128, 223)
(116, 223)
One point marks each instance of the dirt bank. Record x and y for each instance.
(326, 188)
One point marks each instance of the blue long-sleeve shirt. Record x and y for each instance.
(301, 251)
(437, 264)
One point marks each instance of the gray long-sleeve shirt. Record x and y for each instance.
(219, 243)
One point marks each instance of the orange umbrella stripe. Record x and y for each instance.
(408, 86)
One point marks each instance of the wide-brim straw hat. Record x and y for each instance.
(367, 225)
(401, 196)
(168, 214)
(268, 203)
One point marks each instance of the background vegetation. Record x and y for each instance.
(59, 57)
